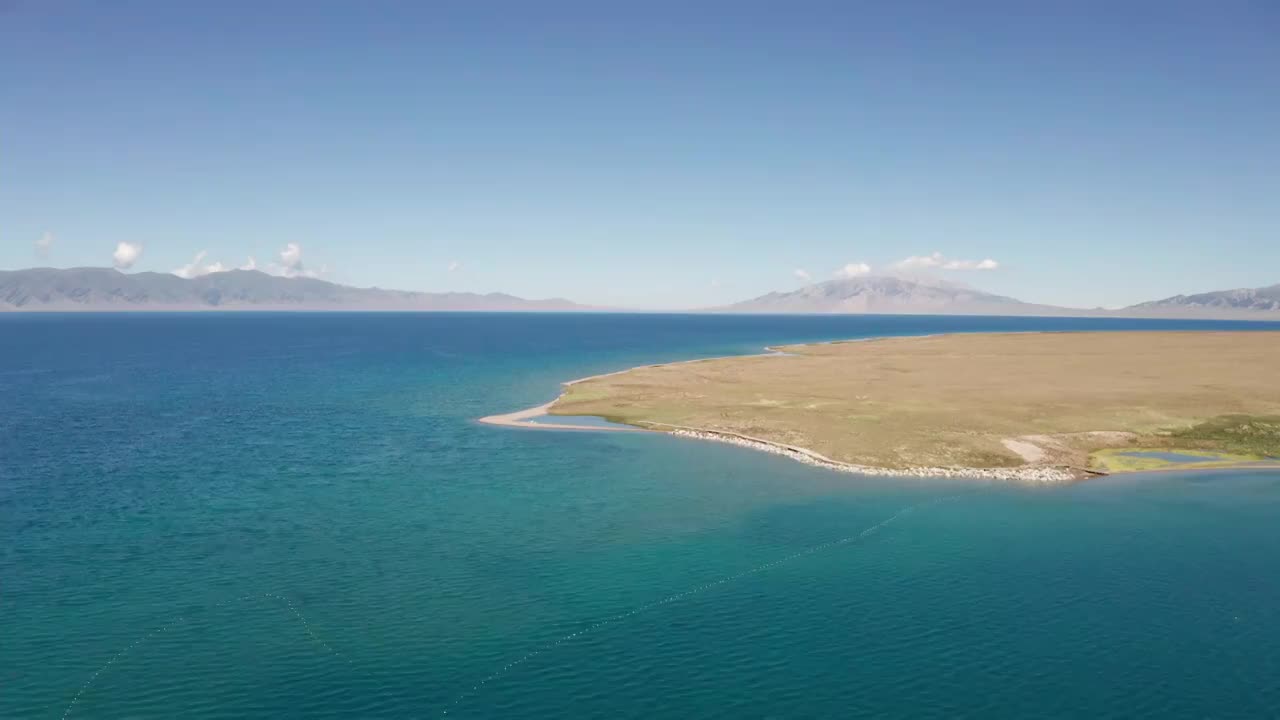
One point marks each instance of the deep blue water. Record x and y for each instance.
(288, 516)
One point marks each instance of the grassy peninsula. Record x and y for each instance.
(1095, 401)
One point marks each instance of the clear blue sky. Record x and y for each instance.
(661, 154)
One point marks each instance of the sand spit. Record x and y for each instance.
(521, 419)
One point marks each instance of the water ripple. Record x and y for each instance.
(685, 594)
(161, 629)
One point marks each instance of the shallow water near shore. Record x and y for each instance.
(278, 516)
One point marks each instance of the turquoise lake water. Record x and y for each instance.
(296, 516)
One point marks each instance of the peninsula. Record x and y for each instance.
(1030, 406)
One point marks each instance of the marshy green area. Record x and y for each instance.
(1226, 441)
(1247, 434)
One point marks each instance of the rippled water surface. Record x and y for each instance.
(289, 516)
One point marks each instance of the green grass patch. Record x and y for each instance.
(575, 393)
(1257, 435)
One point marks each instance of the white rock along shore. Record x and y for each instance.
(1030, 474)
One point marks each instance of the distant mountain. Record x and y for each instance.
(889, 294)
(110, 289)
(1264, 300)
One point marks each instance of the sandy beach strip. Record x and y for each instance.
(522, 419)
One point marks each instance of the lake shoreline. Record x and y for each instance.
(1030, 474)
(1039, 467)
(521, 418)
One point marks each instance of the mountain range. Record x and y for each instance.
(888, 294)
(106, 289)
(1265, 299)
(109, 289)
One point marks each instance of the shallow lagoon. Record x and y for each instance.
(1171, 457)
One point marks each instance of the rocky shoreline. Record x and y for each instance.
(1031, 474)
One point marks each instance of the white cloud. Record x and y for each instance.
(454, 265)
(195, 269)
(291, 264)
(854, 270)
(191, 269)
(291, 256)
(920, 261)
(801, 274)
(44, 244)
(126, 255)
(937, 261)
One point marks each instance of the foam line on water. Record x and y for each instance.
(311, 633)
(684, 594)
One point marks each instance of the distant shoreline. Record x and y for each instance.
(107, 289)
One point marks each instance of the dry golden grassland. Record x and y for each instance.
(970, 400)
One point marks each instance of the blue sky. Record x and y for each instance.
(660, 154)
